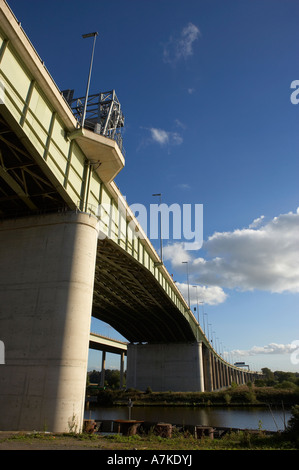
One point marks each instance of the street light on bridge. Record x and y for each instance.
(89, 35)
(204, 326)
(197, 303)
(186, 262)
(161, 247)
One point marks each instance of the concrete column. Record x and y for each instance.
(47, 266)
(224, 375)
(163, 367)
(221, 374)
(217, 374)
(227, 375)
(214, 371)
(229, 372)
(102, 384)
(121, 379)
(208, 370)
(200, 369)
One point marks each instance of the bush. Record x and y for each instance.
(227, 398)
(106, 397)
(286, 384)
(293, 423)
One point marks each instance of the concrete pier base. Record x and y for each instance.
(47, 266)
(163, 367)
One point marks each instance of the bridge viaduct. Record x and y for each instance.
(63, 261)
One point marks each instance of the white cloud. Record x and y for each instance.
(272, 348)
(181, 47)
(257, 222)
(176, 254)
(184, 186)
(203, 294)
(264, 258)
(159, 135)
(212, 295)
(163, 137)
(178, 123)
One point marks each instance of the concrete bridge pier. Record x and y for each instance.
(165, 366)
(47, 266)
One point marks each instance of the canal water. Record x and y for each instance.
(229, 417)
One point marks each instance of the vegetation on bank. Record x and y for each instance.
(274, 389)
(277, 380)
(234, 396)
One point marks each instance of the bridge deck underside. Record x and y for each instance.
(24, 188)
(103, 347)
(131, 300)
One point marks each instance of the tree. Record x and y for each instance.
(293, 423)
(269, 375)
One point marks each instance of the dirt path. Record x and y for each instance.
(27, 441)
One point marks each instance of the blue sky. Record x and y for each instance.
(205, 88)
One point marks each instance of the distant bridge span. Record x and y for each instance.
(62, 260)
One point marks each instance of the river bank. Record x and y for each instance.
(245, 395)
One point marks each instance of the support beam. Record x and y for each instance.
(122, 366)
(102, 384)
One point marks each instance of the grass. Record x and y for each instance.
(242, 440)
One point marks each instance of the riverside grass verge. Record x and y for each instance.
(242, 440)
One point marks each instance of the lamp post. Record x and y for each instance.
(89, 35)
(217, 345)
(197, 304)
(204, 325)
(209, 324)
(214, 340)
(186, 262)
(161, 248)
